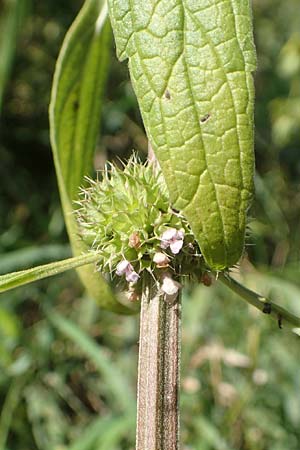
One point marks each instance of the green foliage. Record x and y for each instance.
(75, 109)
(193, 81)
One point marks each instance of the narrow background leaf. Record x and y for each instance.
(12, 15)
(17, 279)
(32, 256)
(75, 110)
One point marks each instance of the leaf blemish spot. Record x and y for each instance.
(76, 105)
(167, 94)
(205, 118)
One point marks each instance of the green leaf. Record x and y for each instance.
(190, 63)
(16, 279)
(75, 110)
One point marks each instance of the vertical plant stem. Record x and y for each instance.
(158, 372)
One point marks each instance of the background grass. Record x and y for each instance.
(68, 369)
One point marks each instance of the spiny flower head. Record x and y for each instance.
(126, 217)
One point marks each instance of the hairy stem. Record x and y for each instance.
(262, 303)
(158, 372)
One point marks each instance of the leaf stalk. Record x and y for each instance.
(260, 302)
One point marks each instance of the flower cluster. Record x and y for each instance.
(127, 219)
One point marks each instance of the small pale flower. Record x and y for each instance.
(132, 276)
(176, 246)
(167, 237)
(172, 238)
(161, 260)
(125, 268)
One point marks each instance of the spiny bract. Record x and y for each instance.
(126, 217)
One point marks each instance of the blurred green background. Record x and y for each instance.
(68, 369)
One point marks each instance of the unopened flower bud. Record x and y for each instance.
(206, 279)
(134, 240)
(161, 260)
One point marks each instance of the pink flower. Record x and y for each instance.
(125, 268)
(172, 238)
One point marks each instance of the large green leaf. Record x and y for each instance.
(75, 110)
(190, 63)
